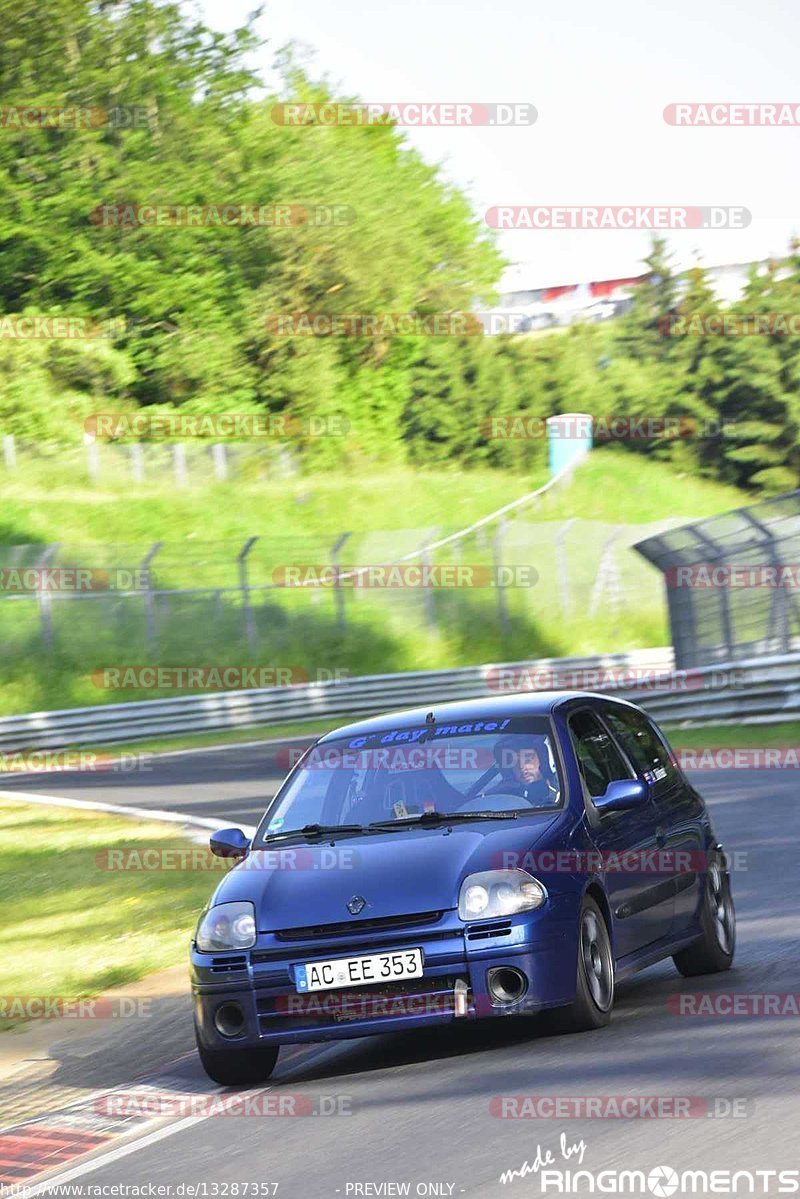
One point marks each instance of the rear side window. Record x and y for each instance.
(644, 747)
(599, 759)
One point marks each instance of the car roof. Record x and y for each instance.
(527, 703)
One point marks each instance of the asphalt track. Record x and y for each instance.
(416, 1109)
(233, 782)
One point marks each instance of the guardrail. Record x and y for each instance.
(763, 690)
(757, 691)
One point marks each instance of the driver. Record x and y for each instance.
(519, 763)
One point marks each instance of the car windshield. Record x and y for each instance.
(500, 764)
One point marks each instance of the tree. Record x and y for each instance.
(653, 302)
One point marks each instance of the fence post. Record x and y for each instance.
(46, 600)
(151, 625)
(338, 592)
(93, 460)
(497, 559)
(137, 462)
(562, 569)
(249, 617)
(427, 592)
(220, 460)
(10, 451)
(286, 463)
(779, 601)
(179, 463)
(607, 580)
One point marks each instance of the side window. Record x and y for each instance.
(599, 759)
(644, 747)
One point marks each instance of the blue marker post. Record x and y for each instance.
(569, 439)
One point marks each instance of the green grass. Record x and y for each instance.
(74, 929)
(57, 503)
(781, 735)
(619, 487)
(388, 512)
(60, 506)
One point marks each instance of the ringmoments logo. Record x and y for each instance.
(665, 1181)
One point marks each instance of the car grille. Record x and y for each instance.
(228, 964)
(349, 928)
(482, 932)
(376, 1002)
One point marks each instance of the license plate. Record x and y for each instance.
(354, 972)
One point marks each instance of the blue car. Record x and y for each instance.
(483, 859)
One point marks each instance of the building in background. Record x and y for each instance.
(527, 310)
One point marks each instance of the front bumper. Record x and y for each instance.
(457, 960)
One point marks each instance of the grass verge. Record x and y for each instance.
(73, 928)
(54, 504)
(782, 735)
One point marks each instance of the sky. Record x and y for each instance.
(600, 76)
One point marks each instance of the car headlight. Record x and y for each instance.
(227, 926)
(495, 893)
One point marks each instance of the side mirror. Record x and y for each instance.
(229, 843)
(620, 795)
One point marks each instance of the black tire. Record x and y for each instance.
(714, 950)
(238, 1067)
(594, 985)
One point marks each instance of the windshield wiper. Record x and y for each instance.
(316, 830)
(435, 818)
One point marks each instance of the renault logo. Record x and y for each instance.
(356, 905)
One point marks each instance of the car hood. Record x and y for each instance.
(397, 873)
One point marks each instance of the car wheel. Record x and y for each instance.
(594, 985)
(713, 952)
(238, 1067)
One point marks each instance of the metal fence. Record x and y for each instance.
(514, 584)
(178, 464)
(732, 582)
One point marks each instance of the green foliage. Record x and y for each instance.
(193, 303)
(736, 394)
(195, 300)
